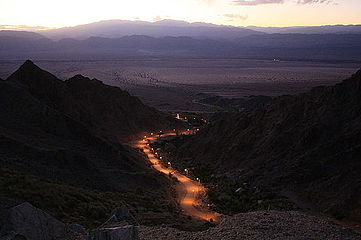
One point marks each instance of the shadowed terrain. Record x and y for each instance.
(307, 146)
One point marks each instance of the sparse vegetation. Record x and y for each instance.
(224, 195)
(73, 204)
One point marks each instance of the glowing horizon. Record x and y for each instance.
(263, 13)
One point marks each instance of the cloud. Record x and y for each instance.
(157, 19)
(235, 16)
(256, 2)
(262, 2)
(313, 1)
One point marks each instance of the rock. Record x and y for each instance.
(13, 236)
(120, 216)
(120, 226)
(24, 221)
(77, 228)
(116, 233)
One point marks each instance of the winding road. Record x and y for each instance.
(188, 190)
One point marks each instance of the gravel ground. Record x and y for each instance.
(259, 225)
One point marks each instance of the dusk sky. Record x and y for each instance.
(228, 12)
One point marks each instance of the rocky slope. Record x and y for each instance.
(107, 111)
(307, 146)
(259, 225)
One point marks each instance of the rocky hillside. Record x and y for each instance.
(107, 111)
(59, 145)
(258, 225)
(308, 146)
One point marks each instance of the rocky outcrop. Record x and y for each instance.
(119, 216)
(120, 226)
(27, 222)
(116, 233)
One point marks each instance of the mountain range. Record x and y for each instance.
(164, 28)
(323, 47)
(174, 28)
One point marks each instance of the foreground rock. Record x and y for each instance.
(24, 221)
(259, 225)
(120, 226)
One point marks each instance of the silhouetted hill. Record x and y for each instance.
(60, 149)
(71, 130)
(107, 111)
(37, 139)
(308, 146)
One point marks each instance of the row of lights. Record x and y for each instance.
(169, 163)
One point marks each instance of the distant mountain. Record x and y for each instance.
(21, 34)
(326, 29)
(171, 28)
(307, 146)
(320, 47)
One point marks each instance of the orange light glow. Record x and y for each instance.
(190, 189)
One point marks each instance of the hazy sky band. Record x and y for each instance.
(228, 12)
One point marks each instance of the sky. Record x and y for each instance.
(50, 13)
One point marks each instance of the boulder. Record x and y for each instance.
(128, 232)
(120, 216)
(120, 226)
(77, 228)
(25, 221)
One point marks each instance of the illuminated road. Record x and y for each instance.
(188, 189)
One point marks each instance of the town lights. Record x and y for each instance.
(151, 134)
(160, 157)
(145, 136)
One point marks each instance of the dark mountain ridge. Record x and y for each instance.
(107, 111)
(60, 130)
(307, 146)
